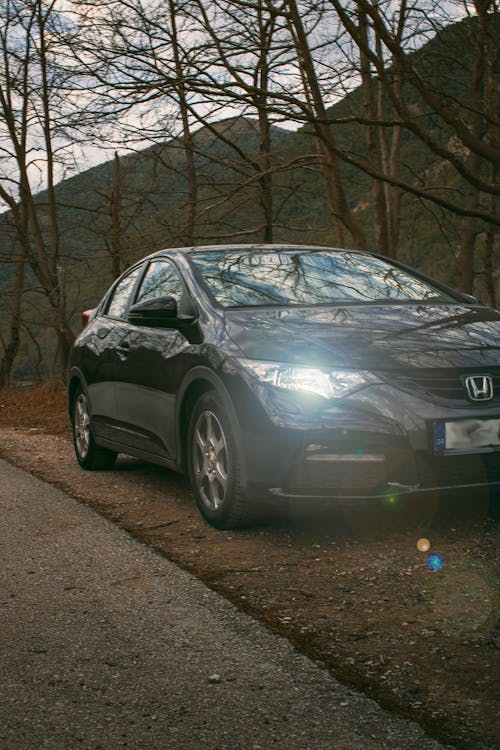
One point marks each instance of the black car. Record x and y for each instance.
(288, 372)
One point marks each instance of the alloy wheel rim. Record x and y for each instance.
(210, 460)
(82, 426)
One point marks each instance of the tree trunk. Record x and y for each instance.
(390, 150)
(265, 160)
(489, 254)
(11, 347)
(468, 242)
(115, 244)
(339, 206)
(265, 178)
(479, 128)
(373, 141)
(188, 231)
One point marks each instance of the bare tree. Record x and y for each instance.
(318, 117)
(115, 240)
(383, 147)
(458, 124)
(145, 61)
(139, 64)
(117, 221)
(12, 303)
(267, 57)
(244, 44)
(483, 90)
(31, 96)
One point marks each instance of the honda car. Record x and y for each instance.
(285, 374)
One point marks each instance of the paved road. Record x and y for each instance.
(104, 644)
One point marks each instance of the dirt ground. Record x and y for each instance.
(351, 587)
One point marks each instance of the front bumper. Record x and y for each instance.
(372, 446)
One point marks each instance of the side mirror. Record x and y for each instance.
(159, 312)
(471, 299)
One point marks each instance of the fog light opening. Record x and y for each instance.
(358, 457)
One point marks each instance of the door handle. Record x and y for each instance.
(123, 349)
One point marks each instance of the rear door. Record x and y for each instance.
(101, 355)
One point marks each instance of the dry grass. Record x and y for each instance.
(43, 406)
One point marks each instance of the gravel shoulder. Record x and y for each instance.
(348, 587)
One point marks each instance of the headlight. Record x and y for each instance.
(329, 384)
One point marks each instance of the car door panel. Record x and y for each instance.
(100, 355)
(148, 378)
(150, 367)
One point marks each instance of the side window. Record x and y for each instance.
(118, 304)
(161, 280)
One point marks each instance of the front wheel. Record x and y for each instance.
(215, 465)
(89, 455)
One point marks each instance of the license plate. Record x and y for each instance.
(466, 434)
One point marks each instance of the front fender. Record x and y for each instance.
(197, 381)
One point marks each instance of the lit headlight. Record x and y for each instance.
(332, 384)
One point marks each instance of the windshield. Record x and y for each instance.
(299, 277)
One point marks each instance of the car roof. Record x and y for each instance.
(248, 247)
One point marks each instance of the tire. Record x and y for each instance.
(494, 504)
(89, 455)
(214, 463)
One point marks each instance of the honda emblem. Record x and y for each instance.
(479, 387)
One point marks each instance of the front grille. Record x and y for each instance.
(452, 471)
(338, 477)
(351, 477)
(446, 383)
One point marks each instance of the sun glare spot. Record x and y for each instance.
(435, 562)
(423, 545)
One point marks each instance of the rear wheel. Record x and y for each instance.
(215, 465)
(89, 455)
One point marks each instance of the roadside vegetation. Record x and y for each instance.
(39, 407)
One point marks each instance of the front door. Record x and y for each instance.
(151, 368)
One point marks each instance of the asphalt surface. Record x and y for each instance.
(105, 644)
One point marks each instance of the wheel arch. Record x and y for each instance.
(75, 381)
(199, 381)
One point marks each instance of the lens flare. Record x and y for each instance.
(391, 500)
(463, 600)
(423, 545)
(435, 562)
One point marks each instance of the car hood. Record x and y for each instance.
(382, 336)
